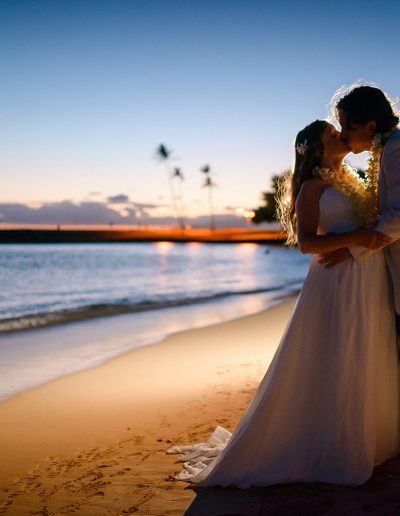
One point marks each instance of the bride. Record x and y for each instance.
(327, 408)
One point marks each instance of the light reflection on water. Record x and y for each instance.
(47, 279)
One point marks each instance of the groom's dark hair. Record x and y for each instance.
(366, 103)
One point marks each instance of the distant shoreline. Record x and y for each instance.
(88, 235)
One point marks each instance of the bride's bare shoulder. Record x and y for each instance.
(311, 190)
(314, 184)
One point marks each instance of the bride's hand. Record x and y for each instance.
(367, 237)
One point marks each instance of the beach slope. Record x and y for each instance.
(95, 442)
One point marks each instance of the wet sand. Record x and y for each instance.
(95, 442)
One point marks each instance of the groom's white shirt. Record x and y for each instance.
(389, 209)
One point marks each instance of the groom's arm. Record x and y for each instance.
(389, 220)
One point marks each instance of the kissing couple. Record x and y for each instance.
(328, 406)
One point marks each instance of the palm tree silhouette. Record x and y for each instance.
(209, 183)
(177, 174)
(164, 155)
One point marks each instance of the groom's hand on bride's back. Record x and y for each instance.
(370, 239)
(329, 260)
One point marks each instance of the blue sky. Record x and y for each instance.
(89, 89)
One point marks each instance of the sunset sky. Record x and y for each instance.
(89, 89)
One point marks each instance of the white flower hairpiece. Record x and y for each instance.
(301, 148)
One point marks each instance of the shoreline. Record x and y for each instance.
(36, 321)
(144, 398)
(95, 442)
(80, 235)
(35, 357)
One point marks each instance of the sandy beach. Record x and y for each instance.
(95, 442)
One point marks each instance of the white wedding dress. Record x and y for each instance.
(327, 408)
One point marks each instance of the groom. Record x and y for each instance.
(363, 113)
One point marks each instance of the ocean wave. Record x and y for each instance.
(41, 320)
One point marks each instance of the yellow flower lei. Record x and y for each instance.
(361, 193)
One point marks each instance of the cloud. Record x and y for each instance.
(126, 201)
(92, 212)
(65, 212)
(118, 199)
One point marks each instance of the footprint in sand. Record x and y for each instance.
(138, 439)
(121, 472)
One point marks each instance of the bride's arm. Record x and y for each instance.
(307, 213)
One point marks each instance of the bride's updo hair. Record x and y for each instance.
(309, 151)
(363, 103)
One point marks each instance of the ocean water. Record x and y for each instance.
(64, 308)
(48, 284)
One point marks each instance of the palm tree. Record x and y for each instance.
(209, 183)
(267, 212)
(177, 174)
(164, 155)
